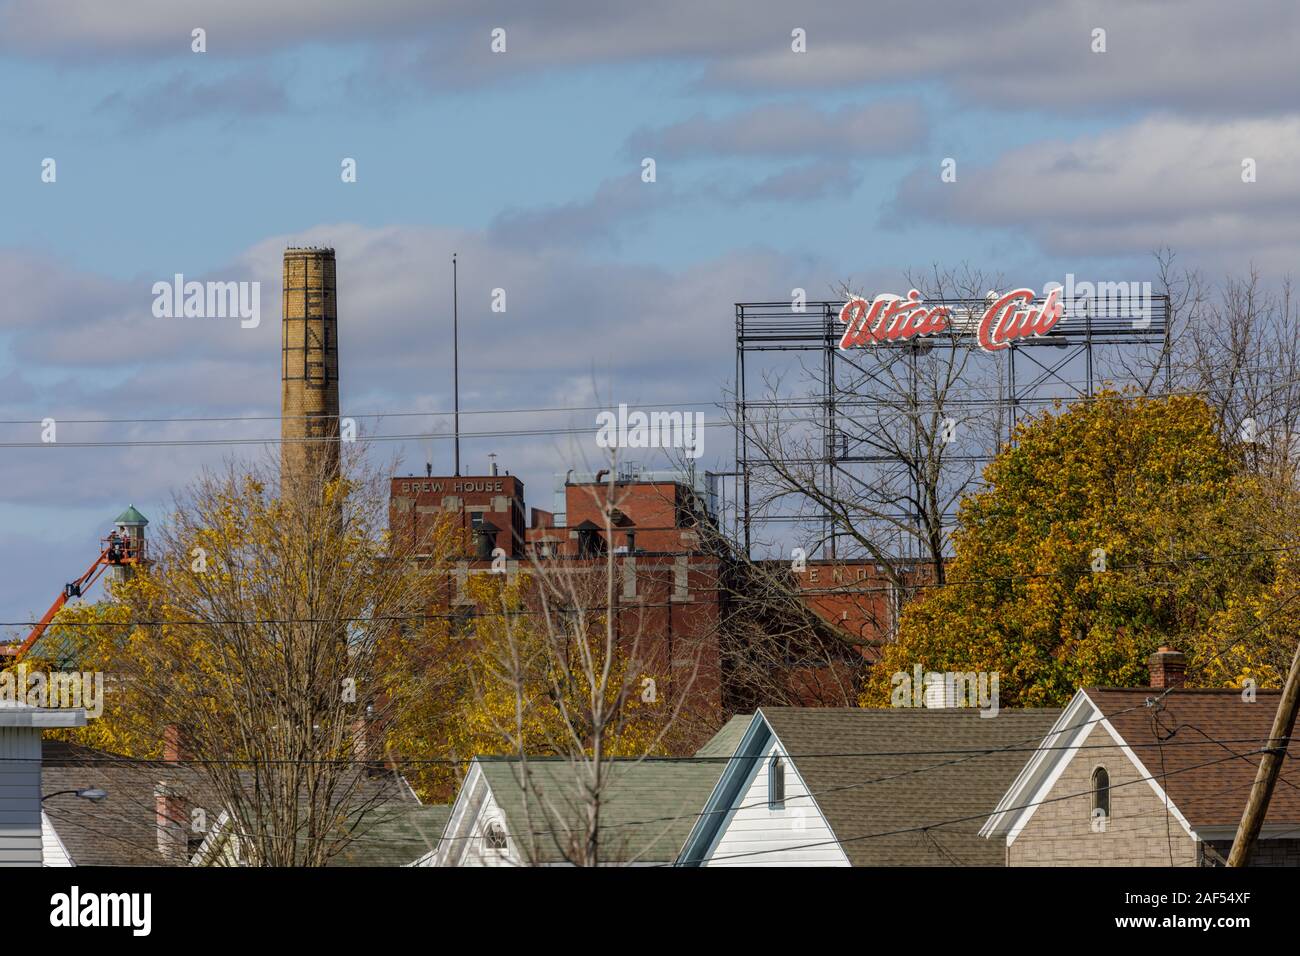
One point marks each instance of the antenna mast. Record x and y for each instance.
(455, 360)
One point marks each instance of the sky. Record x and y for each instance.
(775, 169)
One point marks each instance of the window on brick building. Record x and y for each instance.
(776, 784)
(1100, 793)
(590, 542)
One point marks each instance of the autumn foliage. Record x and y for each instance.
(1106, 529)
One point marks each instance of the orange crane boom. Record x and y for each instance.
(70, 590)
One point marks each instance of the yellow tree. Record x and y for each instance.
(256, 637)
(1105, 530)
(508, 684)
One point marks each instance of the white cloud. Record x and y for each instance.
(786, 130)
(1190, 55)
(1155, 183)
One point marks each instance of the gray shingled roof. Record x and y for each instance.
(395, 835)
(122, 830)
(648, 806)
(726, 740)
(924, 767)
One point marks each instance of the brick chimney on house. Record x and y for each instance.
(172, 823)
(1168, 668)
(171, 817)
(368, 745)
(173, 745)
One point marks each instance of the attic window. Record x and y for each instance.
(1100, 793)
(494, 837)
(776, 784)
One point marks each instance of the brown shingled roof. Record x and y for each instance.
(1207, 789)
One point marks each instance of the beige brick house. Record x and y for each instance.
(1148, 777)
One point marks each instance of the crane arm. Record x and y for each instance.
(71, 590)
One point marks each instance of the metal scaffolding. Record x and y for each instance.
(1089, 347)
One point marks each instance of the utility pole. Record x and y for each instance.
(455, 361)
(1252, 820)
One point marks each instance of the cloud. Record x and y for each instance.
(1195, 56)
(84, 346)
(1158, 182)
(790, 130)
(616, 205)
(95, 351)
(250, 92)
(808, 182)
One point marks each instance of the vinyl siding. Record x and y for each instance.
(20, 796)
(477, 852)
(795, 836)
(52, 848)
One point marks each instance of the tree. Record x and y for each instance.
(1105, 529)
(563, 669)
(258, 638)
(881, 478)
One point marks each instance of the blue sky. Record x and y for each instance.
(774, 170)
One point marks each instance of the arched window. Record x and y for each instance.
(494, 837)
(776, 784)
(1100, 793)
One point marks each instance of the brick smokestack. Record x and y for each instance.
(1168, 668)
(309, 371)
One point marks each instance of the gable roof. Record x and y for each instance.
(726, 740)
(1208, 790)
(118, 831)
(887, 781)
(395, 834)
(648, 806)
(1203, 737)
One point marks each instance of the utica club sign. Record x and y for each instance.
(890, 318)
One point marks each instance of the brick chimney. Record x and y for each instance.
(169, 813)
(1168, 668)
(171, 816)
(368, 745)
(174, 749)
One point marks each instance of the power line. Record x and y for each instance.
(632, 606)
(420, 436)
(840, 841)
(143, 763)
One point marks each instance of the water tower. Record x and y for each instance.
(129, 526)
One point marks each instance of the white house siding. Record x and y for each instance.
(20, 796)
(475, 851)
(753, 835)
(52, 848)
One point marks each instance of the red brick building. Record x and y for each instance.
(682, 592)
